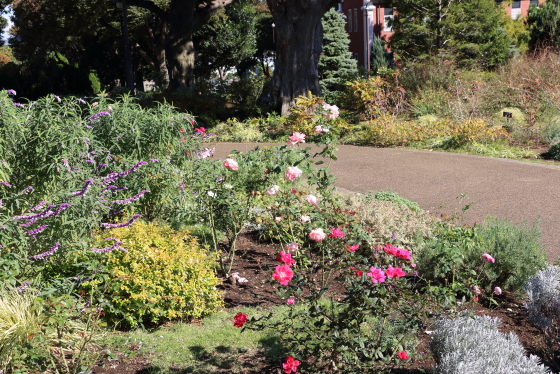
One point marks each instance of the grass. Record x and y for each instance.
(204, 347)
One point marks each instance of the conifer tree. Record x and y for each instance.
(378, 59)
(336, 65)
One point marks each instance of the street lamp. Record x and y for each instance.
(367, 7)
(121, 4)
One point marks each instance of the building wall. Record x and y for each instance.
(376, 18)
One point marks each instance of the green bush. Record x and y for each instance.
(396, 199)
(452, 263)
(163, 275)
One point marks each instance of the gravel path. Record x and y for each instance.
(516, 190)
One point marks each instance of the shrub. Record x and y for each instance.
(516, 248)
(385, 220)
(453, 262)
(543, 307)
(162, 275)
(19, 320)
(475, 346)
(234, 130)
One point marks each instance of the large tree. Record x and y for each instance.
(299, 39)
(545, 24)
(469, 31)
(181, 18)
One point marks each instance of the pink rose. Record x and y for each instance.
(290, 366)
(317, 235)
(296, 138)
(231, 164)
(290, 301)
(283, 274)
(293, 191)
(331, 111)
(336, 234)
(476, 290)
(318, 129)
(286, 258)
(293, 173)
(305, 219)
(395, 272)
(487, 258)
(272, 190)
(293, 246)
(312, 199)
(351, 248)
(403, 356)
(377, 275)
(497, 290)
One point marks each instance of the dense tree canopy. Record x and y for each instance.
(545, 24)
(469, 31)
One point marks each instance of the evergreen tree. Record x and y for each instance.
(378, 58)
(472, 32)
(545, 24)
(336, 65)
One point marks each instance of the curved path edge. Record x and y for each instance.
(516, 190)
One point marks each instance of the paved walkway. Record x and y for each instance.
(509, 189)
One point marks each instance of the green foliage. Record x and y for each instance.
(95, 83)
(378, 59)
(452, 262)
(396, 199)
(336, 64)
(162, 275)
(471, 32)
(545, 24)
(228, 38)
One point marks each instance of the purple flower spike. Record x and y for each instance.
(84, 189)
(97, 115)
(115, 225)
(12, 92)
(47, 253)
(27, 190)
(5, 184)
(108, 249)
(37, 230)
(133, 198)
(38, 206)
(18, 105)
(81, 101)
(66, 164)
(113, 176)
(43, 214)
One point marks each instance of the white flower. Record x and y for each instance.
(305, 219)
(211, 194)
(227, 185)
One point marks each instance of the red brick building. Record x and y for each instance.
(366, 20)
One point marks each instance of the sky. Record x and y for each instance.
(4, 32)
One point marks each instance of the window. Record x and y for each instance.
(387, 17)
(515, 9)
(349, 20)
(355, 19)
(534, 2)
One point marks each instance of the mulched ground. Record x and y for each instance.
(256, 257)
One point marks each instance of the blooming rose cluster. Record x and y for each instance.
(293, 173)
(331, 111)
(240, 319)
(272, 190)
(397, 252)
(290, 366)
(312, 199)
(320, 129)
(231, 164)
(284, 273)
(317, 235)
(378, 275)
(336, 234)
(296, 138)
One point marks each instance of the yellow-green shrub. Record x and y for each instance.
(164, 275)
(389, 131)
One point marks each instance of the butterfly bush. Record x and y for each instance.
(326, 331)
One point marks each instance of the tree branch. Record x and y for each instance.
(151, 6)
(205, 11)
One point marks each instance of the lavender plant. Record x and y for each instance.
(543, 307)
(474, 345)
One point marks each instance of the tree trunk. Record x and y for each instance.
(299, 38)
(180, 52)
